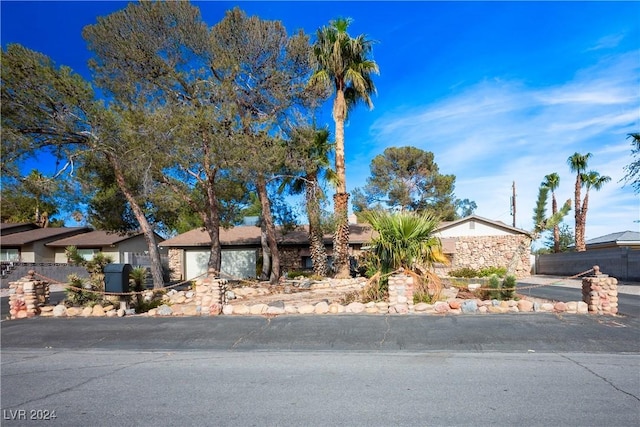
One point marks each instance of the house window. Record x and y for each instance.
(307, 262)
(87, 254)
(9, 255)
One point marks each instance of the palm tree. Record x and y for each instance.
(552, 182)
(313, 149)
(578, 164)
(404, 240)
(591, 179)
(343, 65)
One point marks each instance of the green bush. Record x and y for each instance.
(508, 287)
(422, 297)
(464, 272)
(488, 271)
(495, 285)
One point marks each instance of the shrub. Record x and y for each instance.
(495, 285)
(508, 287)
(464, 272)
(488, 271)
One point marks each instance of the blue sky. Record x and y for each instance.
(498, 91)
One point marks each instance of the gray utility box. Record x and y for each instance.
(116, 277)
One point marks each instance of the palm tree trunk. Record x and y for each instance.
(145, 227)
(316, 237)
(578, 215)
(341, 198)
(583, 224)
(270, 228)
(556, 228)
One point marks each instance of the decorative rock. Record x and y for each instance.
(572, 307)
(525, 305)
(152, 312)
(291, 309)
(111, 313)
(46, 309)
(334, 308)
(454, 304)
(86, 312)
(108, 308)
(275, 310)
(469, 306)
(547, 306)
(441, 307)
(560, 307)
(240, 309)
(227, 309)
(400, 308)
(164, 310)
(189, 310)
(121, 312)
(495, 309)
(73, 311)
(58, 311)
(473, 287)
(279, 304)
(22, 314)
(583, 308)
(421, 306)
(306, 309)
(258, 309)
(372, 310)
(97, 311)
(355, 307)
(216, 308)
(482, 309)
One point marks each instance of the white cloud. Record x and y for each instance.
(495, 132)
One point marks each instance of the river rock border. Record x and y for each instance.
(211, 297)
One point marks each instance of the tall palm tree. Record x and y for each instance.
(552, 182)
(343, 64)
(313, 148)
(591, 179)
(578, 164)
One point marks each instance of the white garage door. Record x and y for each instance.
(236, 264)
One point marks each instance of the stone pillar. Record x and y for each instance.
(26, 295)
(600, 292)
(400, 294)
(211, 294)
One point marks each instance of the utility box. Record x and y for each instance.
(116, 277)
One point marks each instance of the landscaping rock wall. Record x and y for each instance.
(600, 292)
(26, 296)
(175, 264)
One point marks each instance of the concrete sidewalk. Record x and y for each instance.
(624, 287)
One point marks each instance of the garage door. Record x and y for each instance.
(236, 264)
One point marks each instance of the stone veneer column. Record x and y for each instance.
(211, 294)
(600, 292)
(400, 294)
(27, 295)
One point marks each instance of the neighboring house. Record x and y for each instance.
(477, 242)
(473, 242)
(622, 239)
(241, 250)
(122, 248)
(30, 245)
(26, 246)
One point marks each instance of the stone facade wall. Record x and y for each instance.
(26, 296)
(490, 251)
(600, 292)
(175, 264)
(290, 259)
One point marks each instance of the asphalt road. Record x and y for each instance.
(499, 370)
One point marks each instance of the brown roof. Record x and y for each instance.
(10, 228)
(46, 234)
(250, 235)
(93, 239)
